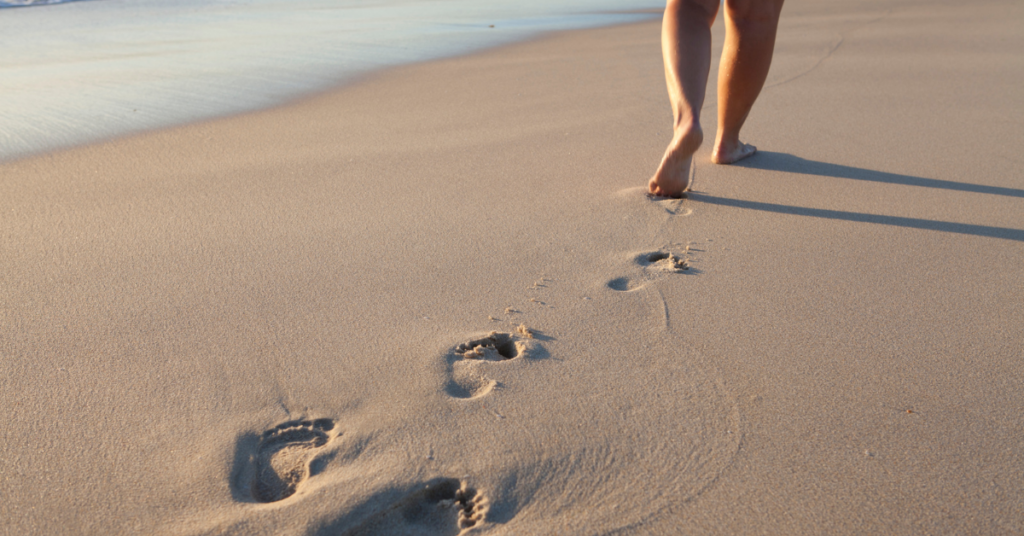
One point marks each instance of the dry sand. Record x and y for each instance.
(278, 306)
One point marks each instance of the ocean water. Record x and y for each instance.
(25, 3)
(73, 72)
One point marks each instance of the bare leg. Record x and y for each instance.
(686, 47)
(750, 27)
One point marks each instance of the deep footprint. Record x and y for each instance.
(664, 261)
(282, 459)
(467, 363)
(441, 507)
(494, 347)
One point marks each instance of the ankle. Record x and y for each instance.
(725, 142)
(689, 132)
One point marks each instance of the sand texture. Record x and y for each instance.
(438, 301)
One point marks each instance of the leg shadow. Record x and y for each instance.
(794, 164)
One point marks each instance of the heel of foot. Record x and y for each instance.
(673, 175)
(729, 154)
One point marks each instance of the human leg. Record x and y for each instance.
(686, 49)
(750, 27)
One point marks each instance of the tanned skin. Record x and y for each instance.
(750, 27)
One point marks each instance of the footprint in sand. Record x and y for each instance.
(442, 507)
(281, 462)
(624, 284)
(662, 261)
(466, 379)
(494, 347)
(652, 263)
(672, 206)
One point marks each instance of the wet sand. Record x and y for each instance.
(439, 302)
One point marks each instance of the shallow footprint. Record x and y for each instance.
(623, 284)
(651, 262)
(282, 460)
(468, 386)
(442, 507)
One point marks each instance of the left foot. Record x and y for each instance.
(673, 175)
(727, 153)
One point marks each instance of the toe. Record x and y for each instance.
(653, 187)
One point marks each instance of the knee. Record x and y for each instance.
(707, 8)
(745, 12)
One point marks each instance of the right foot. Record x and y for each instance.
(673, 175)
(727, 153)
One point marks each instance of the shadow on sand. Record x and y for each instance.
(794, 164)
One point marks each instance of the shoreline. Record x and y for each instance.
(76, 85)
(280, 322)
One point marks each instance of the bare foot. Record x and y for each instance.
(673, 175)
(727, 153)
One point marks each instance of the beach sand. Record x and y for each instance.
(279, 323)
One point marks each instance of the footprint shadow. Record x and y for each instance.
(241, 466)
(439, 507)
(540, 353)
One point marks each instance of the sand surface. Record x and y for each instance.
(278, 323)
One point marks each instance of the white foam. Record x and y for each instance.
(85, 71)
